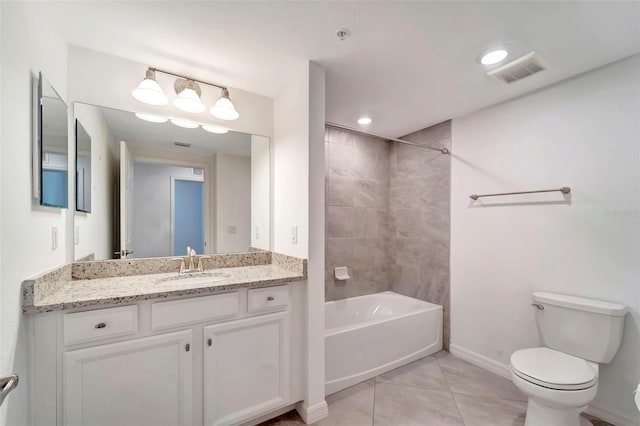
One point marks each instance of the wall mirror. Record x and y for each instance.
(83, 169)
(159, 187)
(51, 172)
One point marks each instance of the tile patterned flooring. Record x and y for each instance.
(439, 390)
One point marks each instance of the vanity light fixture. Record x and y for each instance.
(224, 109)
(188, 91)
(363, 121)
(185, 123)
(215, 129)
(151, 118)
(149, 91)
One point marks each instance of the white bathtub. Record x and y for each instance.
(369, 335)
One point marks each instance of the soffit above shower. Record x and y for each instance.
(405, 64)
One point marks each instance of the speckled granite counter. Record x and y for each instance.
(56, 290)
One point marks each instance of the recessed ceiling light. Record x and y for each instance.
(215, 129)
(152, 118)
(364, 121)
(493, 57)
(184, 123)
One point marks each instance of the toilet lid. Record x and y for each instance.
(553, 369)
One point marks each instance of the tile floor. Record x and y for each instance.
(439, 390)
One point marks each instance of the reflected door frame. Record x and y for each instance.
(172, 213)
(207, 179)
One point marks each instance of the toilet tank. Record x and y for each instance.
(587, 328)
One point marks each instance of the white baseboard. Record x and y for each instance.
(503, 370)
(481, 361)
(314, 413)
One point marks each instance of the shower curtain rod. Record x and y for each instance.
(375, 135)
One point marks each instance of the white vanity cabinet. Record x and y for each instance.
(144, 381)
(246, 368)
(224, 359)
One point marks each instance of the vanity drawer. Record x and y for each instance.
(100, 324)
(268, 299)
(194, 310)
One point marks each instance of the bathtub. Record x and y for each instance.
(369, 335)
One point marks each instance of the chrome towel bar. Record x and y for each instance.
(564, 190)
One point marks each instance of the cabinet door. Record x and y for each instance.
(142, 382)
(246, 368)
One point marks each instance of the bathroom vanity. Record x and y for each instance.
(221, 347)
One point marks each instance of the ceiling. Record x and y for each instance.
(125, 126)
(407, 65)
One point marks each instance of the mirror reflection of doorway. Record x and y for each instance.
(187, 219)
(155, 219)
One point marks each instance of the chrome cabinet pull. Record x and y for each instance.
(270, 299)
(538, 306)
(101, 325)
(187, 347)
(7, 384)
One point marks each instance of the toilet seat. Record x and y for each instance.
(553, 369)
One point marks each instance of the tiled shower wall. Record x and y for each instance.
(357, 212)
(387, 215)
(420, 193)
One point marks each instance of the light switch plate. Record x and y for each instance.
(294, 234)
(257, 232)
(76, 235)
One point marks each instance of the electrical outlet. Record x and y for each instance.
(257, 232)
(294, 234)
(232, 229)
(54, 238)
(76, 235)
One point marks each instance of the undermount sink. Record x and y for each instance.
(193, 278)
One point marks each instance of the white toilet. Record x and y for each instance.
(561, 378)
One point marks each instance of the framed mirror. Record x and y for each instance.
(159, 187)
(83, 169)
(51, 172)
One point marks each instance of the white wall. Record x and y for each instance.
(28, 45)
(260, 193)
(315, 284)
(291, 164)
(582, 133)
(233, 203)
(95, 229)
(298, 188)
(152, 208)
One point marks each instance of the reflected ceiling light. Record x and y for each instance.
(224, 109)
(151, 118)
(188, 99)
(215, 129)
(493, 57)
(149, 91)
(364, 121)
(184, 123)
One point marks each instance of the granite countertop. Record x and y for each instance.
(66, 293)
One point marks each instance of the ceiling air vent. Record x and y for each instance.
(529, 64)
(182, 144)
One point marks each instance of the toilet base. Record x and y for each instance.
(539, 414)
